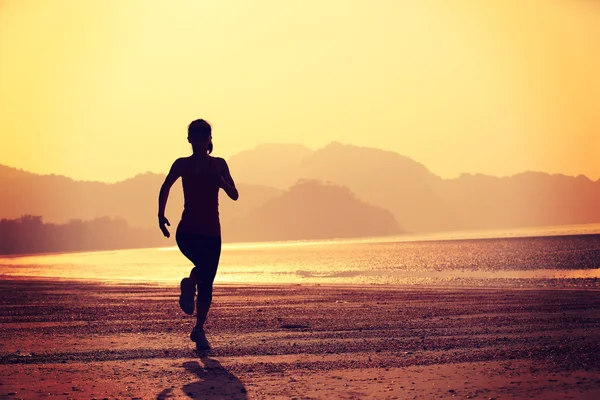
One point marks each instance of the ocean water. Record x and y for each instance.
(537, 257)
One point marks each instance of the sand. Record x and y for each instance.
(80, 340)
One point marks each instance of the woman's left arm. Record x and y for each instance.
(227, 181)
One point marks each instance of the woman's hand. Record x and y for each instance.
(229, 189)
(227, 181)
(162, 221)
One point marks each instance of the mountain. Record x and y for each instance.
(274, 164)
(313, 210)
(56, 198)
(306, 211)
(136, 200)
(525, 199)
(8, 173)
(419, 200)
(59, 199)
(387, 179)
(424, 202)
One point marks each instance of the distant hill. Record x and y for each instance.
(59, 199)
(136, 200)
(8, 173)
(525, 199)
(423, 202)
(386, 179)
(275, 164)
(419, 200)
(313, 210)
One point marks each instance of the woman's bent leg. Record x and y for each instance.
(187, 246)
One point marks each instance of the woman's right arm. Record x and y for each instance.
(172, 176)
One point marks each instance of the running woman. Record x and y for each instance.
(198, 233)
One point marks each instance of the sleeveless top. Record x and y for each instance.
(201, 202)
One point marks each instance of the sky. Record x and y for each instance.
(104, 90)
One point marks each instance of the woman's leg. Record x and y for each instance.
(204, 252)
(205, 272)
(188, 245)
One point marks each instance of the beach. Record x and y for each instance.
(83, 340)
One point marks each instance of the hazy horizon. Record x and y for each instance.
(163, 172)
(102, 90)
(338, 191)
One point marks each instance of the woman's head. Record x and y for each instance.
(200, 135)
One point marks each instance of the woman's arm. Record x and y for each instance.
(163, 196)
(227, 181)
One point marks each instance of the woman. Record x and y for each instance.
(199, 231)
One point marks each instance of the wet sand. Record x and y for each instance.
(80, 340)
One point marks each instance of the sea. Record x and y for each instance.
(546, 257)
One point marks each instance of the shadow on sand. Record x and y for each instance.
(215, 382)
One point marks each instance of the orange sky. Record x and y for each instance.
(105, 89)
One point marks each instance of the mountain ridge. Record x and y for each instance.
(419, 200)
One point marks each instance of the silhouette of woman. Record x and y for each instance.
(199, 231)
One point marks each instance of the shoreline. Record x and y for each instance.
(559, 231)
(382, 286)
(80, 340)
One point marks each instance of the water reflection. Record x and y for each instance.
(380, 261)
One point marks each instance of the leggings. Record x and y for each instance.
(204, 252)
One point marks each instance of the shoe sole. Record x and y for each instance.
(186, 297)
